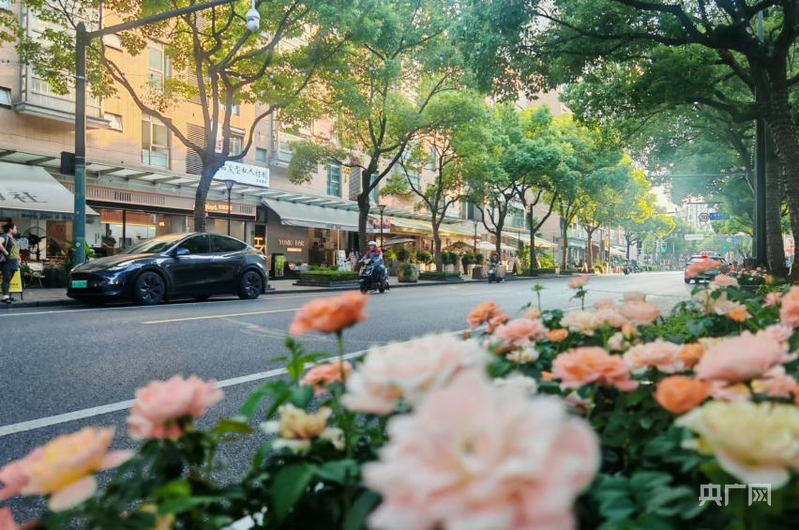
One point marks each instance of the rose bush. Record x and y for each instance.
(612, 418)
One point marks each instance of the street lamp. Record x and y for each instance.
(82, 39)
(475, 236)
(229, 185)
(382, 208)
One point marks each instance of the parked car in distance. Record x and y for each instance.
(708, 275)
(172, 266)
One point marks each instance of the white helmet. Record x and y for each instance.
(371, 244)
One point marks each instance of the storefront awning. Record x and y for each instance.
(33, 189)
(540, 242)
(308, 215)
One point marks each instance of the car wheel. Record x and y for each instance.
(149, 288)
(687, 280)
(250, 286)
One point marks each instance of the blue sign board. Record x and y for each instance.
(717, 216)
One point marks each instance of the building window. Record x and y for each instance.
(114, 121)
(235, 109)
(432, 166)
(260, 154)
(112, 41)
(158, 66)
(284, 152)
(5, 97)
(236, 144)
(334, 180)
(154, 142)
(374, 195)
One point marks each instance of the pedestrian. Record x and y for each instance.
(354, 259)
(10, 259)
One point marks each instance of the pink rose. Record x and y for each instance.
(604, 304)
(505, 461)
(610, 317)
(640, 313)
(665, 356)
(520, 332)
(789, 312)
(14, 475)
(584, 366)
(578, 281)
(322, 375)
(776, 383)
(161, 404)
(7, 520)
(407, 371)
(722, 280)
(65, 468)
(723, 391)
(741, 358)
(773, 299)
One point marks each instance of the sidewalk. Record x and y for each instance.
(57, 297)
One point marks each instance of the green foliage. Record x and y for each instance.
(403, 254)
(439, 276)
(426, 257)
(328, 276)
(389, 254)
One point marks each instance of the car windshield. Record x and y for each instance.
(154, 245)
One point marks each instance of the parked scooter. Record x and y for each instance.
(373, 277)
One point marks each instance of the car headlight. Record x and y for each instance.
(119, 266)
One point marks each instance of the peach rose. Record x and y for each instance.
(776, 383)
(66, 466)
(532, 314)
(738, 314)
(583, 366)
(695, 269)
(723, 391)
(14, 475)
(322, 375)
(640, 313)
(609, 317)
(741, 358)
(520, 332)
(604, 304)
(617, 342)
(505, 461)
(522, 355)
(691, 353)
(495, 322)
(773, 299)
(578, 281)
(678, 394)
(161, 404)
(558, 335)
(634, 296)
(482, 314)
(722, 280)
(579, 321)
(407, 371)
(546, 376)
(296, 429)
(329, 315)
(665, 356)
(789, 312)
(778, 332)
(7, 520)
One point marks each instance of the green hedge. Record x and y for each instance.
(440, 276)
(536, 272)
(328, 276)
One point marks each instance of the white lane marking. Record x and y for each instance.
(227, 315)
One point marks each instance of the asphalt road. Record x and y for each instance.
(63, 369)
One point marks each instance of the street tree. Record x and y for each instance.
(210, 57)
(378, 94)
(455, 151)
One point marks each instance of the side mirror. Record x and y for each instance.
(182, 251)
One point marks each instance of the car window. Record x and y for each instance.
(196, 245)
(227, 244)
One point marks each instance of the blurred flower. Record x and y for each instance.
(296, 429)
(691, 353)
(778, 332)
(546, 376)
(520, 332)
(584, 366)
(526, 384)
(14, 475)
(609, 317)
(741, 358)
(7, 520)
(773, 299)
(66, 466)
(665, 356)
(755, 442)
(617, 342)
(722, 280)
(678, 394)
(776, 383)
(482, 314)
(322, 375)
(640, 313)
(789, 312)
(578, 281)
(558, 335)
(695, 269)
(579, 321)
(495, 322)
(634, 296)
(522, 356)
(604, 304)
(503, 462)
(738, 314)
(723, 391)
(532, 314)
(408, 371)
(329, 315)
(161, 404)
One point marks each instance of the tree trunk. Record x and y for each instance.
(363, 219)
(775, 251)
(437, 248)
(564, 232)
(533, 257)
(498, 244)
(590, 249)
(201, 197)
(779, 119)
(627, 240)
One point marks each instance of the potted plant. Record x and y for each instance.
(407, 273)
(390, 257)
(479, 271)
(468, 260)
(403, 254)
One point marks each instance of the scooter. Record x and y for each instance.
(496, 273)
(373, 277)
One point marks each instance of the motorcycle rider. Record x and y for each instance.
(374, 255)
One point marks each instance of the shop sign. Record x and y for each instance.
(244, 174)
(291, 242)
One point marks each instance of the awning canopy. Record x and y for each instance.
(398, 241)
(308, 215)
(540, 242)
(33, 189)
(486, 245)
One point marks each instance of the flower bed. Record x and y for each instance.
(605, 418)
(327, 276)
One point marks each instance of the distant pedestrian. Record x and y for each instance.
(10, 259)
(354, 258)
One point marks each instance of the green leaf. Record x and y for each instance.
(338, 470)
(287, 488)
(361, 508)
(226, 426)
(182, 504)
(174, 488)
(302, 396)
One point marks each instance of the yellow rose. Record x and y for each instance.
(296, 428)
(757, 443)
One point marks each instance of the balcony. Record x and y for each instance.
(37, 98)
